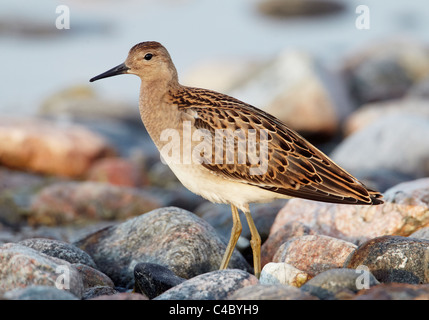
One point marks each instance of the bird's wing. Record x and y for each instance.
(292, 167)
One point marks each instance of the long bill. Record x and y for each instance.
(120, 69)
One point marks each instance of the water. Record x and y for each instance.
(35, 66)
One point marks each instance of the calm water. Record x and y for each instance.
(35, 66)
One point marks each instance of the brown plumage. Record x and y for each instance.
(289, 166)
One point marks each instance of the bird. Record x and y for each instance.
(228, 151)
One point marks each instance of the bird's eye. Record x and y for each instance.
(148, 56)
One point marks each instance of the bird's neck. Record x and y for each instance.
(155, 111)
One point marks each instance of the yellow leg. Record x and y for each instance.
(255, 243)
(235, 234)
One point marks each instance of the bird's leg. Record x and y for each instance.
(255, 243)
(235, 234)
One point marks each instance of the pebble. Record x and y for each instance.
(50, 147)
(336, 283)
(23, 266)
(283, 273)
(400, 146)
(405, 210)
(271, 292)
(75, 202)
(122, 296)
(284, 233)
(96, 291)
(314, 254)
(153, 279)
(393, 259)
(169, 236)
(92, 277)
(395, 291)
(39, 292)
(215, 285)
(59, 249)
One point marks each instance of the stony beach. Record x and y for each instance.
(88, 211)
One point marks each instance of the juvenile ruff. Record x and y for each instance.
(284, 164)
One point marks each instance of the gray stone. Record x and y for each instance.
(22, 266)
(39, 292)
(334, 282)
(271, 292)
(169, 236)
(215, 285)
(59, 249)
(393, 259)
(153, 279)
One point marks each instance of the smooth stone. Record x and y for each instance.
(271, 292)
(276, 239)
(314, 254)
(393, 259)
(395, 291)
(122, 296)
(169, 236)
(22, 266)
(283, 273)
(59, 249)
(335, 283)
(39, 292)
(215, 285)
(44, 146)
(96, 291)
(92, 277)
(153, 279)
(406, 209)
(422, 233)
(75, 202)
(400, 146)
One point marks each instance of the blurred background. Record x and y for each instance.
(352, 77)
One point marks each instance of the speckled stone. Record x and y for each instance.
(271, 292)
(393, 259)
(39, 292)
(215, 285)
(169, 236)
(314, 253)
(59, 249)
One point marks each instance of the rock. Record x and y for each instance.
(39, 292)
(92, 277)
(395, 291)
(283, 273)
(393, 259)
(405, 210)
(337, 283)
(372, 112)
(153, 279)
(59, 249)
(386, 71)
(122, 296)
(283, 233)
(419, 90)
(400, 146)
(23, 266)
(170, 236)
(422, 233)
(49, 147)
(215, 285)
(74, 202)
(299, 8)
(298, 90)
(314, 254)
(117, 171)
(270, 292)
(97, 291)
